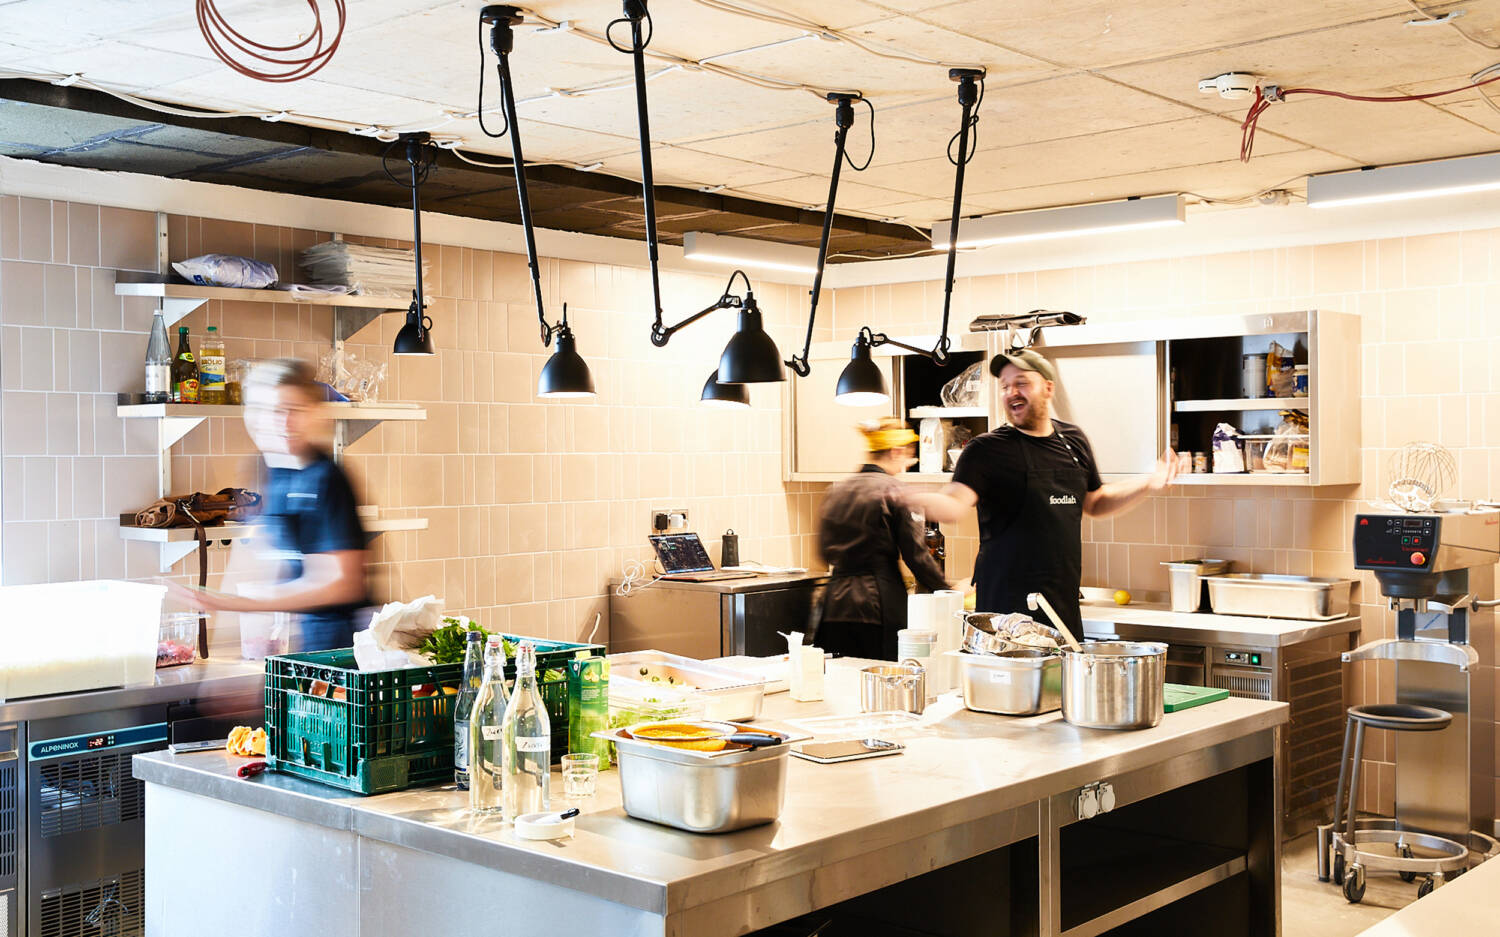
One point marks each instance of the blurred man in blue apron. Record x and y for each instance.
(1032, 481)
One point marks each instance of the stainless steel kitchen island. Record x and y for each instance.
(1193, 832)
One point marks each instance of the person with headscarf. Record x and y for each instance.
(866, 531)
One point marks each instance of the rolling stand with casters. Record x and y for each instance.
(1444, 747)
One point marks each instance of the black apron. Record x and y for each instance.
(1041, 550)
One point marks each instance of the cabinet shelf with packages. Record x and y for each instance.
(351, 313)
(1129, 384)
(821, 441)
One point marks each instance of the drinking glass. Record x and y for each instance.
(580, 771)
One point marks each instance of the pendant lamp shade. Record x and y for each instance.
(717, 394)
(861, 384)
(751, 357)
(415, 337)
(565, 374)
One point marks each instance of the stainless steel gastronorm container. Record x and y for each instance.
(1114, 684)
(1185, 581)
(1266, 596)
(1012, 683)
(700, 792)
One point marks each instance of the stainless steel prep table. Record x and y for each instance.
(712, 619)
(202, 680)
(969, 785)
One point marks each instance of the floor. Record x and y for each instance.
(1310, 908)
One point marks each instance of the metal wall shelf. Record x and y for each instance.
(178, 542)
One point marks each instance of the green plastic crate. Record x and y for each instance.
(381, 737)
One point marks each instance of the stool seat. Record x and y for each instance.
(1401, 717)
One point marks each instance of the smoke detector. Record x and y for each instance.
(1231, 86)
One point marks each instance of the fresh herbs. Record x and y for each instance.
(447, 644)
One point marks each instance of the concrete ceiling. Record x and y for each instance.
(1085, 100)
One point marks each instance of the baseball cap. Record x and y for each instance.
(1026, 360)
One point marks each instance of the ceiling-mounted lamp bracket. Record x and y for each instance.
(662, 333)
(843, 119)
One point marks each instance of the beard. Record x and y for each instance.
(1028, 418)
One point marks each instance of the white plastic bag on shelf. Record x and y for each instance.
(1229, 458)
(226, 270)
(963, 391)
(357, 378)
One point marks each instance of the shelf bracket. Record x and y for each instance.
(174, 553)
(169, 431)
(349, 320)
(174, 309)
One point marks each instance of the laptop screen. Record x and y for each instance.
(681, 553)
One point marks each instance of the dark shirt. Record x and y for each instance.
(312, 510)
(993, 465)
(866, 525)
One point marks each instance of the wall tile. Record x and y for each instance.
(127, 239)
(35, 229)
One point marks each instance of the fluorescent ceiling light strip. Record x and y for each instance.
(1071, 221)
(722, 249)
(1397, 183)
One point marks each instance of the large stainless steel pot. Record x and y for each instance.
(891, 687)
(1114, 684)
(1022, 682)
(701, 792)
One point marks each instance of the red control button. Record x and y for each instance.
(1417, 559)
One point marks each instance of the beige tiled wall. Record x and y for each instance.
(532, 504)
(1430, 318)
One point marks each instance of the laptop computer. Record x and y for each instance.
(684, 559)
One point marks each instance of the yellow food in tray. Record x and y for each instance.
(682, 735)
(246, 742)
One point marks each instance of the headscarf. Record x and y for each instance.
(886, 433)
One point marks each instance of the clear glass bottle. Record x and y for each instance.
(211, 368)
(158, 362)
(486, 725)
(528, 742)
(463, 705)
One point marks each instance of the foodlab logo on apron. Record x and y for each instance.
(1062, 499)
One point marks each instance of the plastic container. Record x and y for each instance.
(110, 638)
(728, 695)
(177, 639)
(384, 730)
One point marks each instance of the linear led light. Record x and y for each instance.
(1046, 223)
(1395, 183)
(747, 252)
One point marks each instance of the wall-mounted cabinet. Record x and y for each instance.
(1126, 385)
(820, 441)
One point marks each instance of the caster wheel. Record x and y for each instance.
(1405, 852)
(1354, 883)
(1424, 889)
(1338, 869)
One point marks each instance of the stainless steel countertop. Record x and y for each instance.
(1099, 618)
(205, 679)
(959, 768)
(738, 586)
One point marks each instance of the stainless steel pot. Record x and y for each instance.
(996, 632)
(701, 792)
(1022, 682)
(1114, 684)
(890, 687)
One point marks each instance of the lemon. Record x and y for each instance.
(1122, 597)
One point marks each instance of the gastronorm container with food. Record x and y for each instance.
(1269, 596)
(996, 632)
(701, 792)
(1022, 682)
(1185, 580)
(656, 676)
(1114, 684)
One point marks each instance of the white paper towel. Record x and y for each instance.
(937, 612)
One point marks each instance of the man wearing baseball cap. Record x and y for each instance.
(1032, 481)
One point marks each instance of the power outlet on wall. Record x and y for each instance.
(669, 520)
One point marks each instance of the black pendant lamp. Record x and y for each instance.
(566, 374)
(861, 383)
(718, 394)
(751, 357)
(415, 337)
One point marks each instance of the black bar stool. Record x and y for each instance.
(1397, 717)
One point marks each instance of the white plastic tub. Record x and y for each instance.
(656, 676)
(67, 637)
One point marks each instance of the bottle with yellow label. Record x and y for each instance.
(184, 370)
(211, 368)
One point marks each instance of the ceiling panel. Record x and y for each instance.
(813, 190)
(1373, 134)
(675, 166)
(1363, 58)
(1099, 33)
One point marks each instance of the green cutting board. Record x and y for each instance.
(1179, 696)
